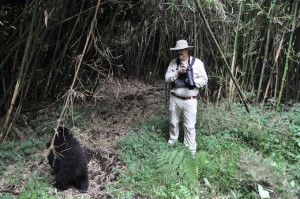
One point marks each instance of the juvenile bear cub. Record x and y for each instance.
(68, 161)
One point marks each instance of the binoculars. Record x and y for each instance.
(190, 80)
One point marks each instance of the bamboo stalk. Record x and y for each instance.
(14, 47)
(195, 34)
(276, 67)
(219, 93)
(286, 66)
(231, 86)
(21, 75)
(262, 73)
(250, 80)
(86, 45)
(69, 95)
(62, 55)
(45, 91)
(264, 63)
(266, 91)
(242, 96)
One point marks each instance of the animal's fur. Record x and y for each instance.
(68, 162)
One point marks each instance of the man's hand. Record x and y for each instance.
(181, 70)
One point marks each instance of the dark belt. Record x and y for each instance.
(185, 98)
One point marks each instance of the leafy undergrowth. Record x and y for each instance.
(237, 153)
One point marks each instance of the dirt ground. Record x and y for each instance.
(122, 103)
(127, 102)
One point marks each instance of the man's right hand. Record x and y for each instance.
(181, 70)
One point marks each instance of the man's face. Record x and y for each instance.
(183, 54)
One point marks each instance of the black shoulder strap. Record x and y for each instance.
(178, 62)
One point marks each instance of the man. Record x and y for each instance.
(184, 93)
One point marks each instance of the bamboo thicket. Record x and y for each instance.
(42, 44)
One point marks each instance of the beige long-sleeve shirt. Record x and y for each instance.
(199, 74)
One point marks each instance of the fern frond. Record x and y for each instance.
(174, 168)
(168, 165)
(254, 169)
(191, 170)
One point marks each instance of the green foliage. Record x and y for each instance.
(170, 168)
(31, 185)
(141, 145)
(36, 187)
(170, 162)
(14, 151)
(174, 191)
(254, 169)
(14, 174)
(155, 169)
(272, 137)
(236, 152)
(16, 159)
(265, 130)
(176, 169)
(204, 2)
(138, 150)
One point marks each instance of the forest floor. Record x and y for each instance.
(239, 146)
(99, 123)
(124, 104)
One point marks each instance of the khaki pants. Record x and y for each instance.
(189, 110)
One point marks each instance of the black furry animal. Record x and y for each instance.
(68, 161)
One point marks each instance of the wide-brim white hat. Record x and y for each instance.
(181, 44)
